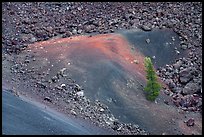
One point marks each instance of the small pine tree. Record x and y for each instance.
(153, 87)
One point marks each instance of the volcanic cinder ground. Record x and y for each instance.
(110, 68)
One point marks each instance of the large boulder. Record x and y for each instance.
(191, 88)
(185, 75)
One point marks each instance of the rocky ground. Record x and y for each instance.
(26, 23)
(60, 92)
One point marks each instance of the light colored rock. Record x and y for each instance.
(63, 86)
(148, 41)
(177, 52)
(102, 110)
(80, 93)
(136, 61)
(73, 112)
(178, 64)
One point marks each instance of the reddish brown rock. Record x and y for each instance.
(190, 122)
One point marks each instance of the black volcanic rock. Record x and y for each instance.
(185, 75)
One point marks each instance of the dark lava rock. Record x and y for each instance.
(191, 88)
(42, 85)
(47, 99)
(116, 125)
(172, 85)
(167, 92)
(54, 79)
(62, 30)
(190, 122)
(146, 28)
(49, 29)
(67, 34)
(185, 75)
(88, 28)
(26, 21)
(166, 102)
(189, 101)
(27, 61)
(178, 90)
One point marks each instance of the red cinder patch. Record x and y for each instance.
(107, 46)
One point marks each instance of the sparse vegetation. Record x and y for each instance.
(152, 88)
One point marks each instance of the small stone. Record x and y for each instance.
(167, 92)
(190, 122)
(74, 31)
(171, 84)
(166, 102)
(47, 99)
(101, 110)
(49, 29)
(54, 79)
(67, 8)
(77, 87)
(119, 129)
(183, 46)
(111, 30)
(62, 70)
(80, 93)
(79, 8)
(73, 112)
(62, 30)
(67, 34)
(27, 61)
(148, 41)
(63, 86)
(59, 88)
(146, 28)
(136, 61)
(184, 108)
(79, 31)
(42, 85)
(177, 52)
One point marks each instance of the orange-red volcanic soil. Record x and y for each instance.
(108, 46)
